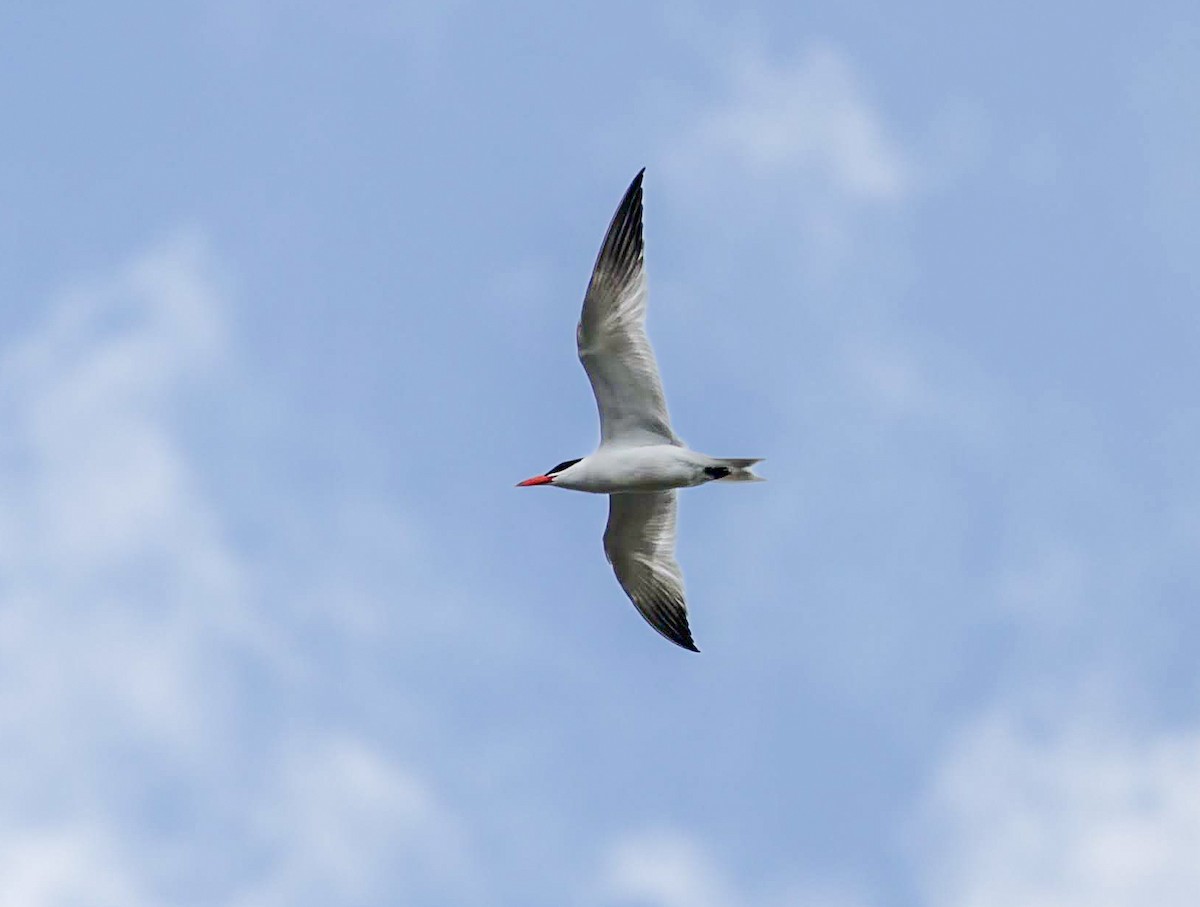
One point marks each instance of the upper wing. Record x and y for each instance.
(612, 341)
(640, 544)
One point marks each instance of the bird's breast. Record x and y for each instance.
(637, 469)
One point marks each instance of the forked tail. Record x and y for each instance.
(733, 470)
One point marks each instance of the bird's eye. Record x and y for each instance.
(566, 464)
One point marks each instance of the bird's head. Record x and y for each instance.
(548, 477)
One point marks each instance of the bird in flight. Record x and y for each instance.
(639, 462)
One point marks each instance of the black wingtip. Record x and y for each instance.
(620, 254)
(671, 623)
(679, 633)
(673, 635)
(631, 201)
(685, 640)
(636, 186)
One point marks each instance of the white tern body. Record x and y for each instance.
(640, 462)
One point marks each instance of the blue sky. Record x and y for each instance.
(289, 297)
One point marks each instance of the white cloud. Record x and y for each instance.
(99, 479)
(112, 562)
(670, 868)
(134, 643)
(115, 578)
(788, 162)
(67, 866)
(808, 118)
(666, 869)
(1078, 814)
(342, 823)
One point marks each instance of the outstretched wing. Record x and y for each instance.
(640, 544)
(612, 341)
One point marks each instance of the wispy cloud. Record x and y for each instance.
(134, 641)
(73, 863)
(341, 823)
(1082, 813)
(670, 868)
(798, 141)
(113, 564)
(809, 117)
(667, 869)
(120, 593)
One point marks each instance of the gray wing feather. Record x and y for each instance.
(639, 542)
(611, 337)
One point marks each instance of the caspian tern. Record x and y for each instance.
(639, 462)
